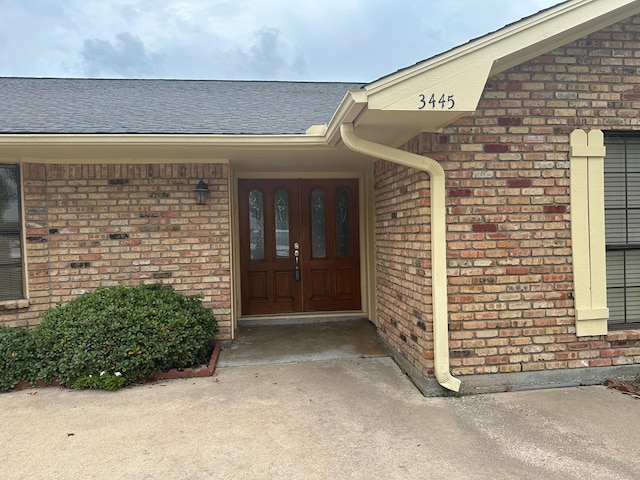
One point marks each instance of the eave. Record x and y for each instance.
(273, 152)
(422, 98)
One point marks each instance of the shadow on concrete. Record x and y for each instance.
(260, 344)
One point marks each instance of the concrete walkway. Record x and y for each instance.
(355, 418)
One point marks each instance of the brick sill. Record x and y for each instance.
(13, 304)
(628, 334)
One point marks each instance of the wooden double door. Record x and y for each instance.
(299, 241)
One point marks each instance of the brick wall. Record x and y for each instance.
(403, 265)
(509, 243)
(100, 225)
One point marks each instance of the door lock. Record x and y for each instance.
(296, 255)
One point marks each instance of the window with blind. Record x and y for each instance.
(622, 227)
(11, 286)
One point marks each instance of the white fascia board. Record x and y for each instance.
(132, 148)
(351, 107)
(146, 139)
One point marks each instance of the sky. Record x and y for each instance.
(302, 40)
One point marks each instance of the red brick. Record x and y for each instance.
(509, 121)
(460, 192)
(519, 182)
(513, 86)
(496, 148)
(485, 227)
(555, 209)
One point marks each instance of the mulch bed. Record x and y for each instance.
(196, 372)
(202, 371)
(623, 387)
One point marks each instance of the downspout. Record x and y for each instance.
(438, 241)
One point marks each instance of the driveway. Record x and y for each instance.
(328, 419)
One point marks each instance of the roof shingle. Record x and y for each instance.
(92, 106)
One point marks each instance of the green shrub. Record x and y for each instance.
(114, 336)
(18, 357)
(102, 381)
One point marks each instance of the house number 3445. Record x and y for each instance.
(433, 102)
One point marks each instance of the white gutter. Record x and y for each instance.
(438, 241)
(129, 139)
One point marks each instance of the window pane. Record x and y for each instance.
(616, 286)
(9, 249)
(633, 196)
(318, 224)
(614, 184)
(632, 310)
(282, 223)
(633, 226)
(11, 283)
(10, 234)
(343, 214)
(256, 225)
(615, 269)
(615, 302)
(623, 286)
(9, 197)
(615, 227)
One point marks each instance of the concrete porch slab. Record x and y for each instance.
(258, 344)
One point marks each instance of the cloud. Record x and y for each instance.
(127, 56)
(351, 40)
(263, 55)
(268, 56)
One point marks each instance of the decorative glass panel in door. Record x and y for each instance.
(282, 223)
(343, 230)
(318, 224)
(256, 224)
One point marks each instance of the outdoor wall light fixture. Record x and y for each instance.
(202, 192)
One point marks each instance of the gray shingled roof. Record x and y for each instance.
(85, 106)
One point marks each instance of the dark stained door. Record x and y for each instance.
(312, 220)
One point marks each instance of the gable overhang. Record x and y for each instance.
(434, 93)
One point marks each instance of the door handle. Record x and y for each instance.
(296, 255)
